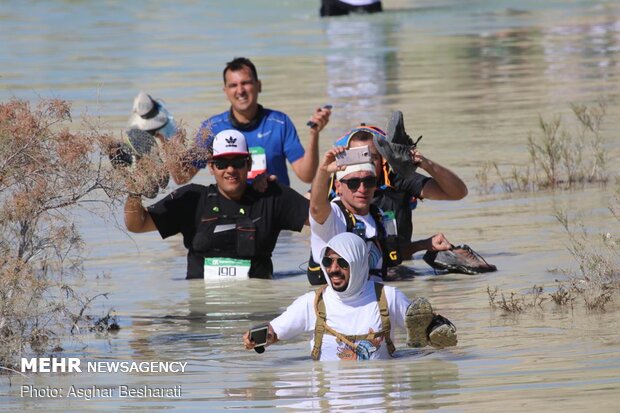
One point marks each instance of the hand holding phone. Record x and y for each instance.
(258, 335)
(353, 156)
(312, 124)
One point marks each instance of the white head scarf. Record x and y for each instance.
(352, 248)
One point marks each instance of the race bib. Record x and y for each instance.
(226, 269)
(259, 161)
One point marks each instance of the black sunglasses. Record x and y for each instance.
(237, 163)
(342, 263)
(354, 183)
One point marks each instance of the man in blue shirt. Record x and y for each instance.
(270, 134)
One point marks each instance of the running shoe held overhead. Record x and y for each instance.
(460, 259)
(396, 150)
(141, 142)
(120, 155)
(148, 168)
(396, 129)
(397, 156)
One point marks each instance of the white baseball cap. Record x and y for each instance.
(229, 142)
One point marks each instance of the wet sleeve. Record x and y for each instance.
(293, 150)
(398, 306)
(333, 225)
(296, 319)
(176, 212)
(412, 186)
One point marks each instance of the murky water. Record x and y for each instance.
(471, 76)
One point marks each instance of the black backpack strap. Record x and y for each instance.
(348, 216)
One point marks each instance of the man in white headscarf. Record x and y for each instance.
(353, 317)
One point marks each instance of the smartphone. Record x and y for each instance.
(258, 334)
(312, 124)
(353, 156)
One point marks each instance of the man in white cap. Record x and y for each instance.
(352, 317)
(229, 229)
(353, 211)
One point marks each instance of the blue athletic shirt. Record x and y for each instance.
(275, 133)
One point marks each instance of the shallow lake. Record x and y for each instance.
(472, 77)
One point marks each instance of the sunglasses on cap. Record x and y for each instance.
(372, 130)
(237, 163)
(354, 183)
(328, 261)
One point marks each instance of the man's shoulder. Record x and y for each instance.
(219, 121)
(189, 188)
(276, 116)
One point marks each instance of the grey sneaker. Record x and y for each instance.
(441, 332)
(460, 259)
(417, 319)
(120, 155)
(396, 129)
(397, 156)
(141, 142)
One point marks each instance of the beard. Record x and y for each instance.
(340, 276)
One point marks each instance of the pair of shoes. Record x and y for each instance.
(144, 146)
(396, 150)
(461, 259)
(425, 327)
(120, 155)
(141, 142)
(417, 319)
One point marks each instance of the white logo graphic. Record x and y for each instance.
(262, 135)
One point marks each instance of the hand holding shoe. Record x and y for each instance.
(438, 242)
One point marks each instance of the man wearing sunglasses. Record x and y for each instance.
(229, 229)
(401, 186)
(354, 318)
(355, 187)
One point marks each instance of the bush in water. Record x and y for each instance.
(47, 172)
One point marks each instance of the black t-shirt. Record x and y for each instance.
(190, 210)
(396, 198)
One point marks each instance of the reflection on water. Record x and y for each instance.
(358, 62)
(472, 77)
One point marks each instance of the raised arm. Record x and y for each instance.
(306, 166)
(137, 219)
(444, 185)
(319, 197)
